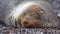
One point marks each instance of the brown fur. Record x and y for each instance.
(35, 16)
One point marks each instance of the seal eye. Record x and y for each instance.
(42, 12)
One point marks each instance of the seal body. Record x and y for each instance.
(35, 14)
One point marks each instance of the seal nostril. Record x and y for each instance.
(25, 22)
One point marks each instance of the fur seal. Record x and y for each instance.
(34, 14)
